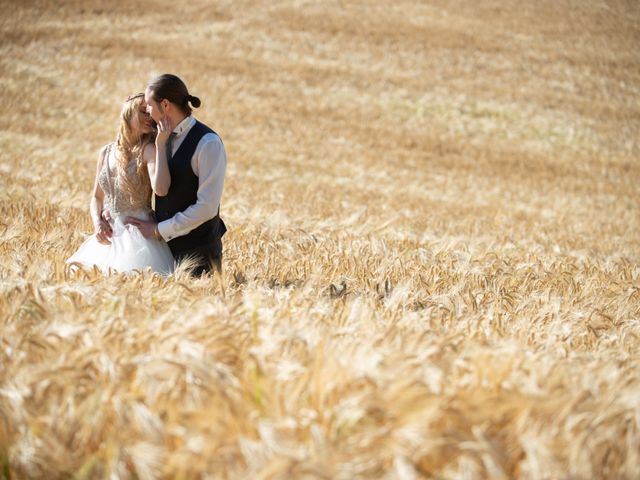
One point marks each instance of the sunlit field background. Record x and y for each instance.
(432, 268)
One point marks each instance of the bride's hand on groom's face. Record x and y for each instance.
(164, 130)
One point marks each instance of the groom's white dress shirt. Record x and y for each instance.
(209, 163)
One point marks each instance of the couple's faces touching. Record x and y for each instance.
(149, 114)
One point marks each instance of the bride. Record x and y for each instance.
(127, 172)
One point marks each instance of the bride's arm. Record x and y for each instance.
(102, 228)
(156, 159)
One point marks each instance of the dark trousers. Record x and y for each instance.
(207, 257)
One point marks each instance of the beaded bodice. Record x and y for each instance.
(123, 193)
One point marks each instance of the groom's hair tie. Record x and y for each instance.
(195, 101)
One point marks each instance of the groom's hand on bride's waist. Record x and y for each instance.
(148, 228)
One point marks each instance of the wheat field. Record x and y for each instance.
(432, 268)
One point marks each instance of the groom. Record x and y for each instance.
(188, 215)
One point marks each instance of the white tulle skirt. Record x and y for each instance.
(128, 251)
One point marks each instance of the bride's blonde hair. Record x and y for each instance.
(130, 145)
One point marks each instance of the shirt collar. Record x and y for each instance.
(184, 126)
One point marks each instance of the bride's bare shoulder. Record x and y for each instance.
(103, 153)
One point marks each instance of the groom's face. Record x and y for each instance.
(153, 108)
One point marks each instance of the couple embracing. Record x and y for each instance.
(179, 168)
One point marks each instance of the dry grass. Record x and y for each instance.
(432, 268)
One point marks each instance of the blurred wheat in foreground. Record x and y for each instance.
(432, 268)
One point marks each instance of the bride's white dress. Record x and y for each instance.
(129, 250)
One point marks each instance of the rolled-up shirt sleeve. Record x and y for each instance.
(211, 163)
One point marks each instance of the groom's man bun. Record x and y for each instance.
(171, 88)
(195, 101)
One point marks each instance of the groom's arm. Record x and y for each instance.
(210, 160)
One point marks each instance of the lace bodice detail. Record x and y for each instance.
(123, 193)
